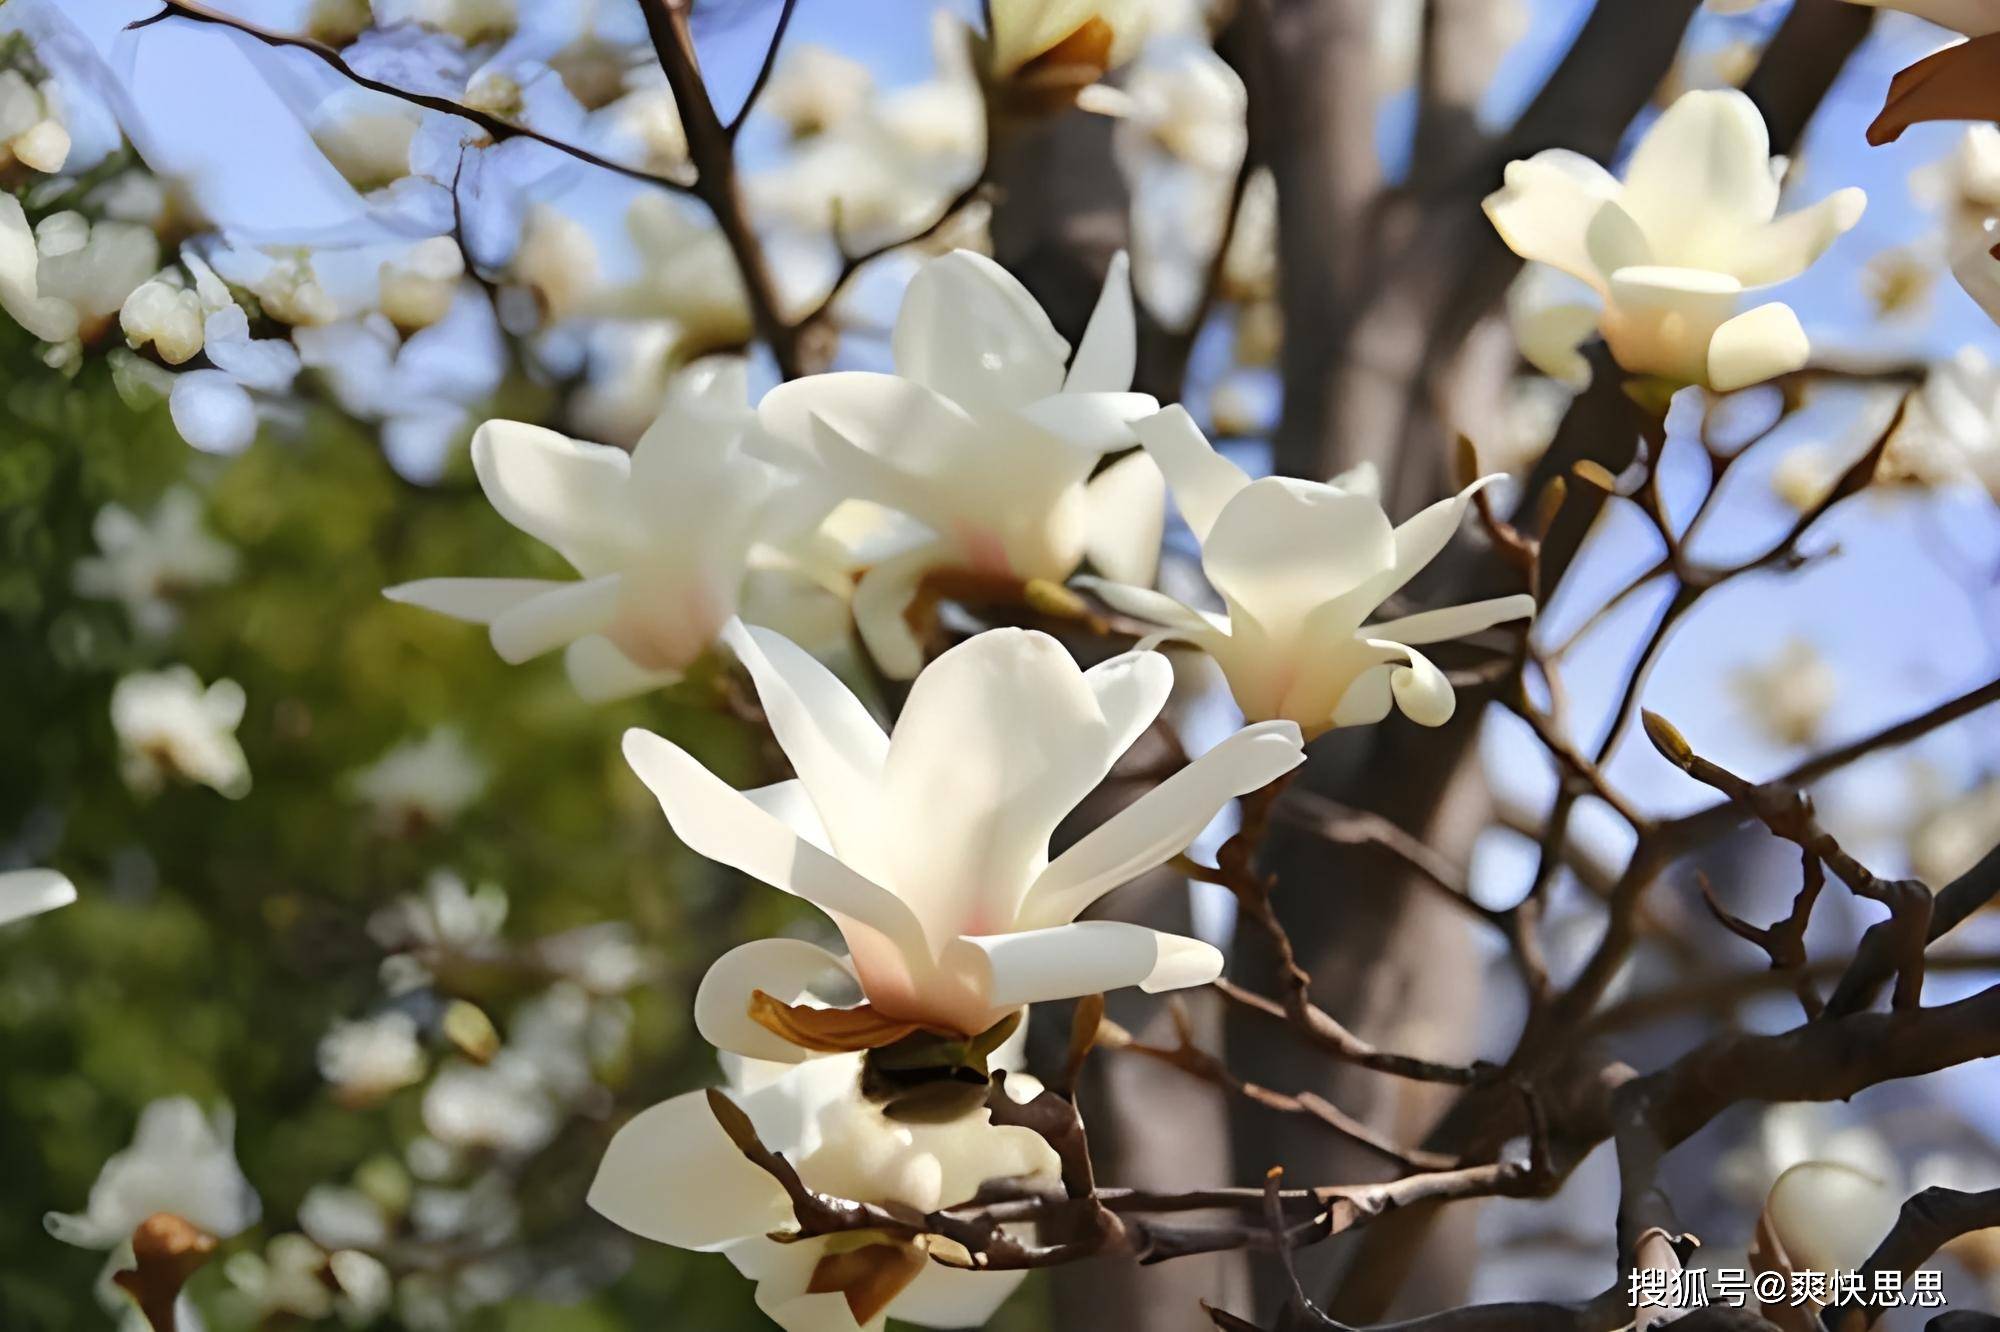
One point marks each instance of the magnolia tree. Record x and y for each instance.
(1257, 900)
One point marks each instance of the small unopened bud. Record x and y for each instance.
(1666, 738)
(470, 1031)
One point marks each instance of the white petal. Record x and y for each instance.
(30, 892)
(833, 743)
(556, 618)
(1421, 689)
(1201, 479)
(1829, 1216)
(884, 439)
(1282, 548)
(1701, 176)
(1545, 205)
(1179, 620)
(1091, 423)
(1552, 315)
(600, 673)
(881, 599)
(1088, 957)
(1755, 346)
(212, 412)
(566, 494)
(1110, 346)
(673, 1175)
(266, 364)
(785, 969)
(1161, 823)
(1448, 622)
(1127, 517)
(1785, 248)
(474, 600)
(1367, 698)
(721, 823)
(998, 740)
(48, 318)
(969, 330)
(951, 1297)
(1131, 688)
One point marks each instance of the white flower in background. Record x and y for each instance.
(1950, 432)
(422, 784)
(1300, 567)
(65, 278)
(1790, 1133)
(471, 21)
(169, 725)
(146, 563)
(1662, 258)
(673, 1175)
(367, 1059)
(518, 1100)
(1788, 694)
(930, 849)
(1062, 46)
(662, 537)
(417, 289)
(645, 119)
(180, 1162)
(1956, 835)
(30, 892)
(1974, 18)
(296, 1277)
(1965, 185)
(557, 260)
(446, 917)
(165, 312)
(1827, 1216)
(367, 137)
(31, 128)
(213, 409)
(815, 88)
(985, 438)
(1179, 142)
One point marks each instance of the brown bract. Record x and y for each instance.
(827, 1030)
(167, 1250)
(1958, 83)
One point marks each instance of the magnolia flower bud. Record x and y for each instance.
(169, 316)
(1829, 1217)
(417, 290)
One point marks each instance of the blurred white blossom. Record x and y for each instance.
(170, 726)
(180, 1162)
(147, 563)
(422, 784)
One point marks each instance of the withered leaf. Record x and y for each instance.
(827, 1030)
(869, 1277)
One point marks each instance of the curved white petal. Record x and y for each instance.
(1448, 622)
(1143, 603)
(212, 412)
(600, 673)
(785, 969)
(47, 317)
(673, 1175)
(1110, 347)
(1201, 479)
(1161, 823)
(1552, 315)
(833, 743)
(567, 494)
(1091, 423)
(1131, 688)
(1755, 346)
(30, 892)
(1659, 320)
(881, 599)
(719, 822)
(1545, 205)
(875, 437)
(943, 1296)
(1126, 517)
(1087, 957)
(1282, 548)
(473, 600)
(1367, 698)
(1420, 688)
(555, 618)
(789, 803)
(1786, 247)
(968, 329)
(999, 738)
(1701, 176)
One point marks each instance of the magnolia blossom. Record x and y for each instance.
(65, 278)
(30, 892)
(1956, 835)
(294, 1276)
(673, 1175)
(814, 88)
(1950, 431)
(169, 725)
(1826, 1216)
(1789, 694)
(422, 784)
(145, 563)
(1967, 186)
(181, 1162)
(1664, 256)
(986, 437)
(368, 1059)
(662, 537)
(31, 128)
(930, 848)
(1300, 567)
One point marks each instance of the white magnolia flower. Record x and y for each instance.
(446, 917)
(30, 892)
(65, 278)
(1950, 431)
(145, 563)
(1967, 185)
(1787, 1134)
(31, 128)
(294, 1276)
(662, 537)
(181, 1162)
(417, 290)
(815, 88)
(470, 21)
(214, 409)
(422, 784)
(1954, 837)
(986, 435)
(1072, 40)
(367, 137)
(1974, 18)
(673, 1175)
(1829, 1216)
(366, 1060)
(165, 312)
(169, 725)
(1300, 567)
(930, 849)
(1789, 693)
(1667, 253)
